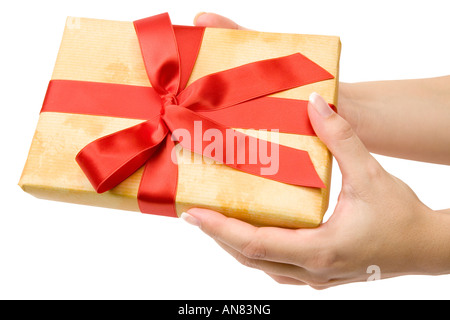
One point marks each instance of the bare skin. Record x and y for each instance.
(378, 220)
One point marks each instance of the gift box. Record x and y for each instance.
(146, 116)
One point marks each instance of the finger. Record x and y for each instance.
(274, 269)
(352, 156)
(284, 273)
(286, 280)
(265, 243)
(231, 233)
(212, 20)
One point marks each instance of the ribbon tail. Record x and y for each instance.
(111, 159)
(253, 80)
(241, 151)
(157, 191)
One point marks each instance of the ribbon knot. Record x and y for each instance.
(168, 99)
(169, 55)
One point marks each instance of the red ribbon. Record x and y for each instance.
(235, 97)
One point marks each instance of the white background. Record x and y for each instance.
(51, 250)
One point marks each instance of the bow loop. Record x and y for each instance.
(160, 53)
(111, 159)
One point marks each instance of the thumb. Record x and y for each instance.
(212, 20)
(352, 156)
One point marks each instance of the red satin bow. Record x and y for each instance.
(169, 56)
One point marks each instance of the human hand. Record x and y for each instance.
(378, 222)
(213, 20)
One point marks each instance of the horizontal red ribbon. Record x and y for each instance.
(143, 103)
(232, 98)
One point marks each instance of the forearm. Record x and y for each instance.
(402, 118)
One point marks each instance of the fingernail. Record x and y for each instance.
(190, 219)
(320, 105)
(197, 16)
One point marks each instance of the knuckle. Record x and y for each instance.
(212, 231)
(323, 260)
(349, 190)
(374, 170)
(247, 262)
(319, 287)
(282, 280)
(254, 249)
(344, 131)
(316, 280)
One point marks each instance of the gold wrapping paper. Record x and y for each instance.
(108, 51)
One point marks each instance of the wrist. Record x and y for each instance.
(347, 108)
(435, 243)
(361, 104)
